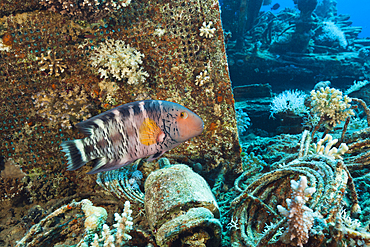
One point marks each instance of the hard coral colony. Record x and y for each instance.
(119, 61)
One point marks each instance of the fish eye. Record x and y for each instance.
(183, 115)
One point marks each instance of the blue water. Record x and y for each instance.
(359, 11)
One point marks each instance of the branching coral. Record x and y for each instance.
(328, 108)
(330, 105)
(260, 193)
(51, 64)
(357, 85)
(109, 90)
(348, 221)
(159, 32)
(120, 61)
(98, 233)
(332, 32)
(300, 217)
(329, 150)
(253, 161)
(202, 78)
(63, 107)
(95, 216)
(242, 120)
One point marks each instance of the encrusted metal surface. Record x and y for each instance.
(45, 69)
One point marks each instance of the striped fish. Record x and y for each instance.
(129, 132)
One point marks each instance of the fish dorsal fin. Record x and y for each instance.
(149, 132)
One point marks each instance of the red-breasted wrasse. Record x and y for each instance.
(132, 131)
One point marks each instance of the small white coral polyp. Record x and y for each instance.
(115, 59)
(207, 30)
(330, 104)
(51, 64)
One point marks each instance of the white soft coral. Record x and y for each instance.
(332, 32)
(289, 101)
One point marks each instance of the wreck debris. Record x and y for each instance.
(183, 210)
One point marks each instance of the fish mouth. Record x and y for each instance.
(190, 129)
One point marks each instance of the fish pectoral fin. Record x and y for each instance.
(98, 164)
(155, 156)
(150, 133)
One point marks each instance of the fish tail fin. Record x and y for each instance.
(75, 154)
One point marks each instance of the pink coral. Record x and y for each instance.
(300, 217)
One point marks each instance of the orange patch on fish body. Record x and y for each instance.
(150, 133)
